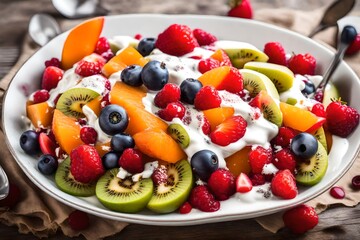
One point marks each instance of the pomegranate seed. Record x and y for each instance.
(185, 208)
(337, 192)
(356, 182)
(78, 220)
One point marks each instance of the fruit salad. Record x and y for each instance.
(181, 121)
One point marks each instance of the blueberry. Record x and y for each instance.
(111, 160)
(304, 145)
(29, 142)
(155, 75)
(113, 119)
(309, 88)
(119, 142)
(131, 75)
(189, 88)
(47, 164)
(204, 163)
(146, 45)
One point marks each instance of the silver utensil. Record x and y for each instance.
(79, 8)
(4, 184)
(43, 28)
(332, 14)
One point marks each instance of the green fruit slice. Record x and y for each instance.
(180, 135)
(241, 52)
(321, 137)
(281, 76)
(269, 108)
(330, 93)
(311, 171)
(71, 101)
(123, 195)
(66, 182)
(254, 82)
(169, 196)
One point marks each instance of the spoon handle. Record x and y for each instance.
(4, 184)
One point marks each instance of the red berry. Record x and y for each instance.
(202, 199)
(107, 55)
(86, 68)
(12, 198)
(55, 62)
(276, 53)
(319, 95)
(319, 110)
(132, 161)
(176, 40)
(78, 220)
(185, 208)
(284, 137)
(172, 110)
(257, 179)
(354, 46)
(102, 45)
(138, 36)
(47, 145)
(283, 185)
(86, 165)
(243, 183)
(221, 183)
(241, 9)
(208, 64)
(105, 101)
(258, 157)
(204, 38)
(284, 159)
(229, 131)
(233, 82)
(168, 94)
(160, 175)
(300, 219)
(355, 182)
(88, 135)
(51, 77)
(341, 119)
(337, 192)
(302, 64)
(41, 96)
(206, 127)
(207, 98)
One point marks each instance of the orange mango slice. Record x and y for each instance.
(95, 105)
(217, 115)
(214, 77)
(123, 94)
(40, 114)
(239, 162)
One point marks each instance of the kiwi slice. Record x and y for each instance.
(123, 195)
(311, 171)
(330, 92)
(241, 52)
(281, 76)
(321, 137)
(178, 133)
(254, 82)
(71, 101)
(169, 196)
(269, 108)
(66, 182)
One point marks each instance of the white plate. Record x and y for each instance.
(253, 32)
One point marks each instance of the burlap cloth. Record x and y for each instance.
(46, 215)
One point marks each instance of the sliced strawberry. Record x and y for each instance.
(229, 131)
(243, 183)
(233, 82)
(283, 185)
(207, 98)
(47, 146)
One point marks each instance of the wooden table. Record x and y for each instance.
(335, 223)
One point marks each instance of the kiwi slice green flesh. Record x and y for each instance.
(123, 195)
(321, 137)
(167, 197)
(178, 133)
(311, 171)
(71, 101)
(281, 76)
(269, 108)
(66, 182)
(241, 52)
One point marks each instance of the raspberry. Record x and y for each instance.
(257, 179)
(160, 175)
(78, 220)
(88, 135)
(55, 62)
(229, 131)
(41, 96)
(241, 9)
(51, 77)
(319, 110)
(206, 127)
(300, 219)
(222, 184)
(284, 137)
(284, 159)
(85, 68)
(354, 47)
(203, 37)
(102, 45)
(283, 185)
(172, 110)
(202, 199)
(86, 165)
(303, 64)
(276, 53)
(185, 208)
(176, 40)
(12, 198)
(107, 55)
(168, 94)
(207, 98)
(132, 161)
(138, 36)
(258, 157)
(208, 64)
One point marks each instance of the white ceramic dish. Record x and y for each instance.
(253, 32)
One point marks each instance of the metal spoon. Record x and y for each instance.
(43, 28)
(79, 8)
(333, 13)
(4, 184)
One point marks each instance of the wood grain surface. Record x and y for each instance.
(335, 223)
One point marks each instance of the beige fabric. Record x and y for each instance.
(41, 215)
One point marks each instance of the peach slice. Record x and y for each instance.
(123, 94)
(239, 162)
(40, 114)
(217, 115)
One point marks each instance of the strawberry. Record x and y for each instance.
(303, 64)
(41, 96)
(86, 165)
(47, 145)
(258, 157)
(202, 199)
(222, 184)
(229, 131)
(172, 110)
(51, 77)
(132, 161)
(341, 119)
(241, 9)
(208, 64)
(243, 183)
(301, 219)
(203, 38)
(233, 82)
(283, 185)
(354, 46)
(284, 159)
(168, 94)
(284, 137)
(276, 53)
(176, 40)
(207, 98)
(319, 110)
